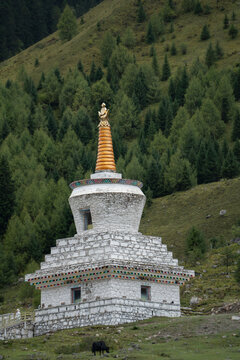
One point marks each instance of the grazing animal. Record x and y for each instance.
(99, 346)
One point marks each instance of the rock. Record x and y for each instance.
(1, 357)
(194, 300)
(208, 216)
(214, 266)
(234, 317)
(222, 212)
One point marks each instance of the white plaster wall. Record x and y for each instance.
(109, 289)
(113, 206)
(56, 296)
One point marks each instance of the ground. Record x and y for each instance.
(187, 338)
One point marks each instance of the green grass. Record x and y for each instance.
(117, 15)
(208, 337)
(172, 216)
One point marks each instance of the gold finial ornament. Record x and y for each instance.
(105, 158)
(103, 115)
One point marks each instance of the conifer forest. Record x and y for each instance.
(172, 128)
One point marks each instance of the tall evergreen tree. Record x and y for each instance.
(155, 65)
(67, 24)
(218, 51)
(230, 167)
(92, 76)
(233, 31)
(198, 8)
(166, 72)
(181, 88)
(150, 37)
(225, 22)
(205, 35)
(210, 56)
(7, 196)
(141, 15)
(236, 126)
(236, 151)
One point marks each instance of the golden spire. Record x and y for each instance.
(105, 158)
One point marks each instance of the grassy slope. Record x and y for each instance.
(172, 216)
(209, 337)
(117, 15)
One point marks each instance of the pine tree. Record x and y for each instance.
(99, 73)
(233, 16)
(80, 66)
(150, 34)
(172, 89)
(166, 72)
(236, 126)
(237, 272)
(230, 167)
(147, 122)
(155, 65)
(141, 15)
(92, 76)
(210, 56)
(205, 35)
(195, 244)
(233, 31)
(181, 88)
(218, 51)
(51, 123)
(201, 163)
(173, 50)
(212, 164)
(67, 24)
(236, 151)
(225, 22)
(198, 8)
(236, 84)
(7, 196)
(141, 90)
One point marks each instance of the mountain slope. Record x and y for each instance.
(116, 15)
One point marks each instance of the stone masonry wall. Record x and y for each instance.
(105, 312)
(19, 331)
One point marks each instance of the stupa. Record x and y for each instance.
(108, 273)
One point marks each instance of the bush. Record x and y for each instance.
(1, 299)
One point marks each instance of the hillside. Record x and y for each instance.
(173, 127)
(116, 15)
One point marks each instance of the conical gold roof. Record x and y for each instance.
(105, 158)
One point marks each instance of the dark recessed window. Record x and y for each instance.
(76, 295)
(87, 218)
(145, 293)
